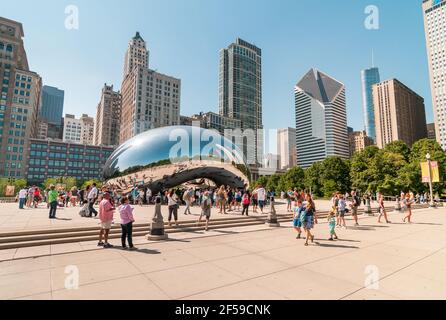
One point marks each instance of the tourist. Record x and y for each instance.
(30, 197)
(287, 197)
(332, 224)
(149, 196)
(238, 200)
(221, 198)
(187, 198)
(261, 197)
(92, 197)
(141, 196)
(206, 205)
(53, 195)
(74, 196)
(230, 202)
(297, 222)
(354, 204)
(127, 220)
(382, 209)
(172, 202)
(106, 211)
(407, 207)
(36, 197)
(22, 197)
(246, 200)
(309, 219)
(254, 201)
(342, 205)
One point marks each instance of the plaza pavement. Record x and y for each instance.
(248, 263)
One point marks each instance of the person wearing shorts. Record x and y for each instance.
(297, 222)
(106, 211)
(341, 209)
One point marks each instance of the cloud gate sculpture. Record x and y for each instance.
(167, 157)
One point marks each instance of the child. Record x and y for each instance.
(297, 222)
(332, 224)
(127, 220)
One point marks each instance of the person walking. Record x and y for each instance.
(172, 202)
(238, 200)
(355, 203)
(127, 220)
(22, 197)
(309, 219)
(246, 200)
(52, 200)
(221, 197)
(332, 225)
(187, 197)
(261, 197)
(382, 209)
(297, 221)
(206, 205)
(342, 206)
(92, 196)
(407, 205)
(106, 211)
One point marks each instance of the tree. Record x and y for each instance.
(312, 179)
(67, 182)
(338, 171)
(90, 182)
(398, 147)
(362, 172)
(294, 178)
(18, 184)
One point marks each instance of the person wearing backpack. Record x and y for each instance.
(246, 200)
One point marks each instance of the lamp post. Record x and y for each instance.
(431, 202)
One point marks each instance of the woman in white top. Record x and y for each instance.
(172, 202)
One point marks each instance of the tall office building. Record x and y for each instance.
(215, 121)
(286, 148)
(50, 113)
(399, 113)
(321, 119)
(149, 99)
(369, 77)
(108, 118)
(431, 131)
(435, 26)
(19, 100)
(358, 141)
(78, 130)
(240, 93)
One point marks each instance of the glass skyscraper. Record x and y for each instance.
(369, 77)
(51, 109)
(240, 94)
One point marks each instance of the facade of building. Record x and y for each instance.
(212, 120)
(435, 25)
(19, 100)
(321, 119)
(358, 141)
(286, 148)
(50, 113)
(108, 118)
(431, 131)
(149, 99)
(78, 130)
(399, 113)
(369, 77)
(51, 159)
(240, 93)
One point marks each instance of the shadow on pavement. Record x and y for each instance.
(328, 245)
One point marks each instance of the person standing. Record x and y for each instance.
(92, 196)
(22, 197)
(172, 202)
(127, 220)
(354, 206)
(206, 205)
(106, 211)
(342, 205)
(246, 200)
(52, 200)
(221, 196)
(332, 225)
(261, 197)
(149, 196)
(309, 219)
(297, 222)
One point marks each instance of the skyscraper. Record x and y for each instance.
(149, 99)
(369, 77)
(321, 119)
(19, 100)
(108, 118)
(434, 26)
(399, 113)
(358, 141)
(240, 94)
(78, 130)
(286, 148)
(51, 110)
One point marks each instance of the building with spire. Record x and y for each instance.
(369, 77)
(321, 119)
(149, 99)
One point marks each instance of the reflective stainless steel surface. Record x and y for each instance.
(167, 157)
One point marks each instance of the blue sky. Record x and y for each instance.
(184, 38)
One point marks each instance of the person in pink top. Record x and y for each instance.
(106, 211)
(126, 213)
